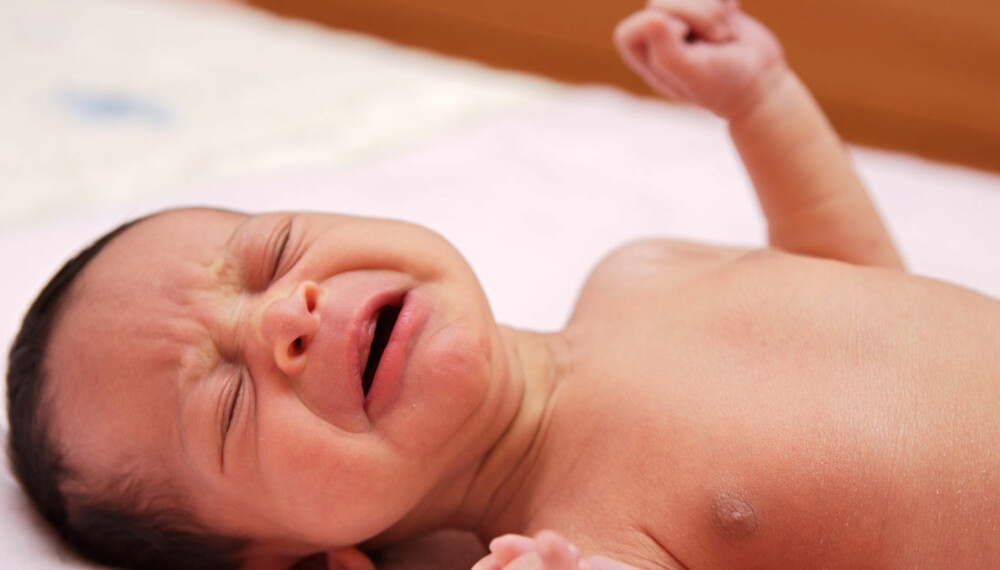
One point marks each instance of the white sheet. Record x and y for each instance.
(532, 197)
(107, 99)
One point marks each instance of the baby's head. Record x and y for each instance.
(112, 525)
(203, 387)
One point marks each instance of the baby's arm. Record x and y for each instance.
(709, 53)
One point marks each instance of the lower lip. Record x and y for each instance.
(387, 383)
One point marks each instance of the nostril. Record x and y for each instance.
(298, 347)
(311, 296)
(291, 358)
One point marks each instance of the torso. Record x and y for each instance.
(765, 410)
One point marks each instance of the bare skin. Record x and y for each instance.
(810, 406)
(795, 413)
(733, 409)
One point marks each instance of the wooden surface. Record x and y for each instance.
(913, 75)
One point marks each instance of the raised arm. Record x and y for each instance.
(709, 53)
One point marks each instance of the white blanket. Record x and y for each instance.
(533, 182)
(103, 100)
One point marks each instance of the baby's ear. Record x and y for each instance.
(349, 558)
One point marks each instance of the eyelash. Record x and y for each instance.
(231, 405)
(285, 236)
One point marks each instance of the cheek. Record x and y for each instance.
(330, 487)
(449, 381)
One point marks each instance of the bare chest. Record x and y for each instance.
(787, 420)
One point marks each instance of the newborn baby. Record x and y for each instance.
(208, 389)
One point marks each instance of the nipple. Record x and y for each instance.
(735, 516)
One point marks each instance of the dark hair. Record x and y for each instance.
(120, 525)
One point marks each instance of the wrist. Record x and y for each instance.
(766, 97)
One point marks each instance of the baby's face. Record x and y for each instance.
(228, 353)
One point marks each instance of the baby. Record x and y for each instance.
(207, 389)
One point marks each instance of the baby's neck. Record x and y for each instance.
(493, 496)
(500, 493)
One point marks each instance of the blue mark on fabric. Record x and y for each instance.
(112, 107)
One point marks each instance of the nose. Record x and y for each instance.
(289, 324)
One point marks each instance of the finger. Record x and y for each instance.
(707, 18)
(631, 37)
(670, 57)
(529, 561)
(510, 546)
(639, 36)
(556, 552)
(488, 562)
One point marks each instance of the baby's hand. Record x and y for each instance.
(547, 551)
(705, 52)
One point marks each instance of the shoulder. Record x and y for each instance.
(660, 259)
(668, 254)
(640, 271)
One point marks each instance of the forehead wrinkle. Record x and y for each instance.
(199, 293)
(133, 327)
(178, 296)
(206, 289)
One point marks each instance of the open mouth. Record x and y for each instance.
(387, 316)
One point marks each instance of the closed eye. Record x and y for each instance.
(234, 398)
(282, 242)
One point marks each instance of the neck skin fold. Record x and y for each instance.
(495, 497)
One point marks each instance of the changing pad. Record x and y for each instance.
(532, 181)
